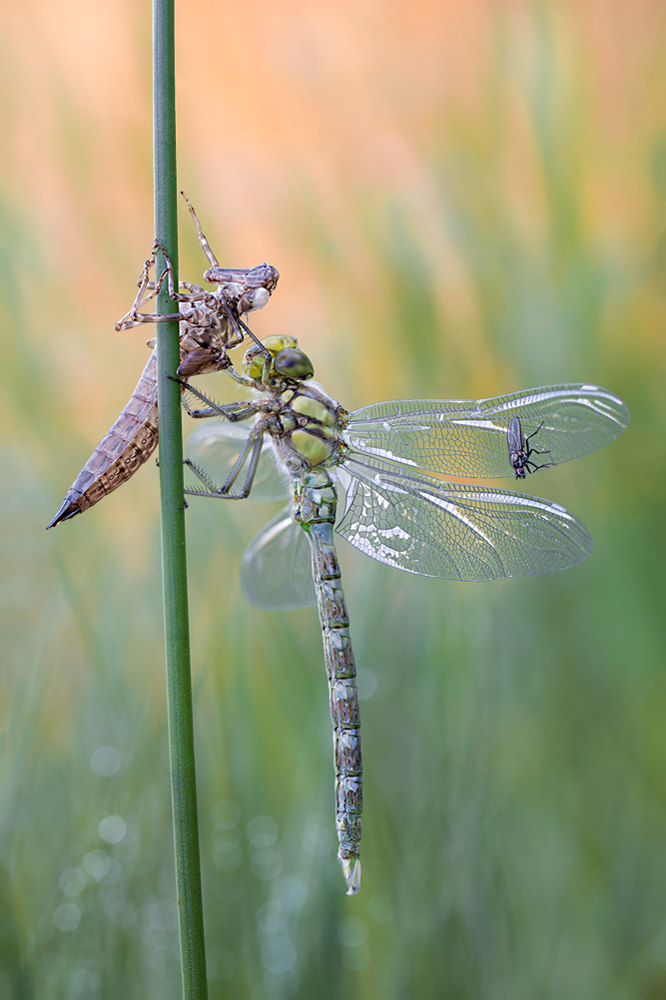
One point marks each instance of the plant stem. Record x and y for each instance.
(174, 567)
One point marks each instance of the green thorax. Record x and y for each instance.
(304, 423)
(311, 426)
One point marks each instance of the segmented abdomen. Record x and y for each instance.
(316, 504)
(123, 449)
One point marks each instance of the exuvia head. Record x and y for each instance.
(288, 360)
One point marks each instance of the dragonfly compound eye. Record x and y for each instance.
(293, 364)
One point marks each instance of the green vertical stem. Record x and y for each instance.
(174, 567)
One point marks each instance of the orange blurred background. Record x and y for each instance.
(463, 199)
(313, 121)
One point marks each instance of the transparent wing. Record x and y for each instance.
(276, 574)
(469, 437)
(216, 445)
(455, 532)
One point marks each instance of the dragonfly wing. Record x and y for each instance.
(468, 438)
(276, 574)
(453, 531)
(216, 445)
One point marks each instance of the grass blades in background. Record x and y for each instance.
(515, 809)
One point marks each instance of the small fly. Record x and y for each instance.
(520, 450)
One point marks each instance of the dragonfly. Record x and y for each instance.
(386, 461)
(210, 324)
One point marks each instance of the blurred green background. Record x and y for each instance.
(464, 200)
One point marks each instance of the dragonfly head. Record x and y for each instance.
(288, 360)
(293, 363)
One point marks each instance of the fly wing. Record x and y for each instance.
(216, 445)
(468, 438)
(456, 532)
(276, 574)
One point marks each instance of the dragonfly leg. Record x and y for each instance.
(197, 293)
(151, 285)
(200, 293)
(236, 322)
(241, 379)
(148, 290)
(230, 411)
(205, 245)
(127, 321)
(220, 411)
(252, 450)
(240, 328)
(233, 323)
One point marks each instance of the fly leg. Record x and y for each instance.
(251, 450)
(535, 451)
(546, 465)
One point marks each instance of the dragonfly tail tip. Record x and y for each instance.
(351, 868)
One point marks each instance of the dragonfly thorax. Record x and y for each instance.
(303, 421)
(305, 424)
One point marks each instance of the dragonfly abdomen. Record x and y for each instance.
(314, 508)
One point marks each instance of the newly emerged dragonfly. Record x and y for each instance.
(383, 457)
